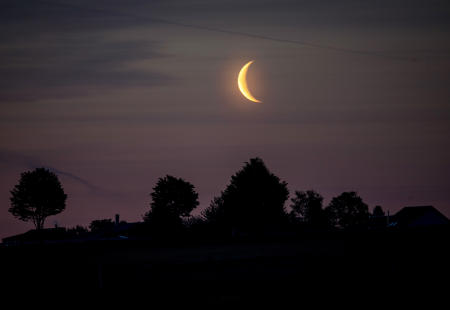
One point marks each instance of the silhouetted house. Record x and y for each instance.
(418, 217)
(122, 229)
(107, 230)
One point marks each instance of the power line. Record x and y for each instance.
(230, 32)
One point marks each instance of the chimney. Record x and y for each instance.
(117, 220)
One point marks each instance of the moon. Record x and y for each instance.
(242, 82)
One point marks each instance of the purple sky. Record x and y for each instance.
(112, 96)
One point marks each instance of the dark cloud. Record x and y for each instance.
(79, 15)
(74, 66)
(24, 18)
(25, 161)
(31, 162)
(75, 178)
(336, 13)
(50, 51)
(13, 158)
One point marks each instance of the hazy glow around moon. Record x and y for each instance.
(242, 83)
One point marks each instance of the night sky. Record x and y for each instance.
(111, 95)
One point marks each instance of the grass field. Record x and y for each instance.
(234, 269)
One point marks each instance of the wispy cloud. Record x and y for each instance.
(55, 52)
(31, 162)
(74, 66)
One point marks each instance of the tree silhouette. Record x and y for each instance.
(105, 225)
(77, 231)
(38, 194)
(254, 199)
(378, 211)
(348, 211)
(378, 220)
(172, 199)
(215, 214)
(308, 206)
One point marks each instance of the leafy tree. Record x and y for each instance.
(215, 214)
(38, 195)
(104, 225)
(378, 211)
(348, 211)
(77, 231)
(377, 220)
(308, 206)
(172, 199)
(254, 199)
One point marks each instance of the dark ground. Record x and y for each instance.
(237, 269)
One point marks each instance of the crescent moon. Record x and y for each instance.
(242, 83)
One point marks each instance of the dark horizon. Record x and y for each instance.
(112, 96)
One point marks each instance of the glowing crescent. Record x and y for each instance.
(242, 83)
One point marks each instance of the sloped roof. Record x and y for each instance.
(409, 215)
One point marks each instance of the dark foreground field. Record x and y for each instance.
(235, 269)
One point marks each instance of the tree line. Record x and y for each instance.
(253, 201)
